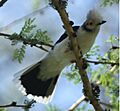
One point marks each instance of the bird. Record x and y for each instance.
(40, 79)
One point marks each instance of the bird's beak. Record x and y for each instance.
(102, 22)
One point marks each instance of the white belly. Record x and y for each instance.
(62, 56)
(56, 60)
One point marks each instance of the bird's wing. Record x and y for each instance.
(75, 28)
(64, 36)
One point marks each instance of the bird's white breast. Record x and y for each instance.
(86, 39)
(62, 55)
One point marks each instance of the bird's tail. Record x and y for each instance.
(35, 88)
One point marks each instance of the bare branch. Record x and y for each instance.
(3, 34)
(14, 104)
(86, 83)
(77, 103)
(102, 62)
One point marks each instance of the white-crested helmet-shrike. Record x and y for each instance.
(41, 78)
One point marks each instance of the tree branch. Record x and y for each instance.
(102, 62)
(31, 42)
(14, 104)
(77, 103)
(78, 54)
(83, 98)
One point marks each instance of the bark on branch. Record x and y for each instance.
(78, 54)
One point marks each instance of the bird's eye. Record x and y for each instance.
(91, 23)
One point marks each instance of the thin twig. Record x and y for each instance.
(77, 103)
(74, 43)
(14, 104)
(29, 42)
(102, 62)
(3, 34)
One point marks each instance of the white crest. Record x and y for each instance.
(95, 15)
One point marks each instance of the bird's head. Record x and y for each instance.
(93, 22)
